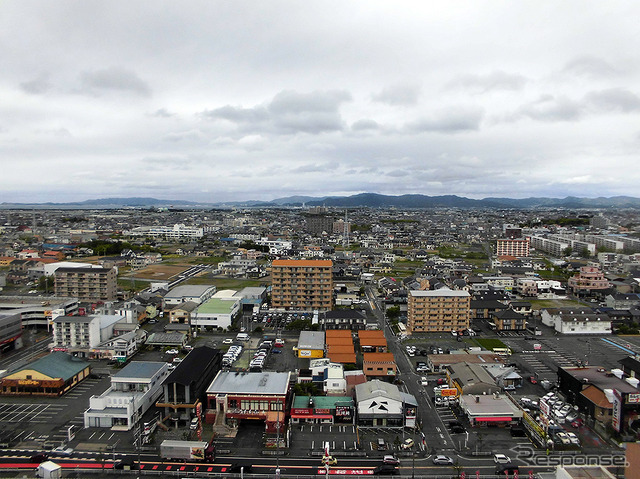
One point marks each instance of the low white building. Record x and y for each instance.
(78, 334)
(215, 313)
(133, 391)
(196, 293)
(576, 321)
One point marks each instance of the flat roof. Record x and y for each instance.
(302, 262)
(264, 383)
(140, 369)
(489, 405)
(215, 306)
(189, 290)
(601, 379)
(311, 340)
(442, 292)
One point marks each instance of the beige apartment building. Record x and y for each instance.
(518, 248)
(86, 284)
(302, 285)
(438, 310)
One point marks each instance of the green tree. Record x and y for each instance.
(393, 313)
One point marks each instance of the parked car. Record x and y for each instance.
(578, 422)
(227, 341)
(424, 381)
(533, 380)
(573, 438)
(408, 443)
(172, 351)
(442, 460)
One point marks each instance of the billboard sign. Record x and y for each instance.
(616, 416)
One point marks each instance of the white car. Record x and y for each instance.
(63, 451)
(227, 341)
(424, 381)
(172, 351)
(573, 438)
(501, 459)
(563, 438)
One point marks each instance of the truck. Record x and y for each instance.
(187, 450)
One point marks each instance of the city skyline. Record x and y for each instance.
(213, 101)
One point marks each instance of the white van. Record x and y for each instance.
(242, 337)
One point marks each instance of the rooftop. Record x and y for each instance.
(140, 370)
(215, 306)
(264, 383)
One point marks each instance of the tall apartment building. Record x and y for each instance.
(86, 284)
(438, 310)
(303, 285)
(513, 247)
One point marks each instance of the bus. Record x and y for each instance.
(502, 351)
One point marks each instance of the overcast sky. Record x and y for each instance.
(235, 100)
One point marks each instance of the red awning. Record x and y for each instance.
(493, 419)
(312, 416)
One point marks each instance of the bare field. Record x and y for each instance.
(160, 271)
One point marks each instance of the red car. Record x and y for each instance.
(533, 380)
(578, 422)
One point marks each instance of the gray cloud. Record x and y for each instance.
(37, 86)
(289, 112)
(551, 108)
(402, 95)
(562, 108)
(496, 80)
(589, 66)
(450, 120)
(163, 113)
(113, 79)
(613, 99)
(365, 124)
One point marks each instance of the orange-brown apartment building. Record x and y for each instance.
(302, 285)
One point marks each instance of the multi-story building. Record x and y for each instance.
(80, 334)
(438, 310)
(303, 285)
(513, 247)
(590, 279)
(86, 284)
(133, 391)
(551, 246)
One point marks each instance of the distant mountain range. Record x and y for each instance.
(371, 200)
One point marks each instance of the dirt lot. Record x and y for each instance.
(160, 271)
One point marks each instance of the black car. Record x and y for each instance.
(458, 430)
(236, 468)
(386, 470)
(502, 469)
(126, 464)
(39, 458)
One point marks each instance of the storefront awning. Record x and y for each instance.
(313, 416)
(493, 419)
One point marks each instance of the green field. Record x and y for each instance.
(555, 303)
(490, 343)
(228, 283)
